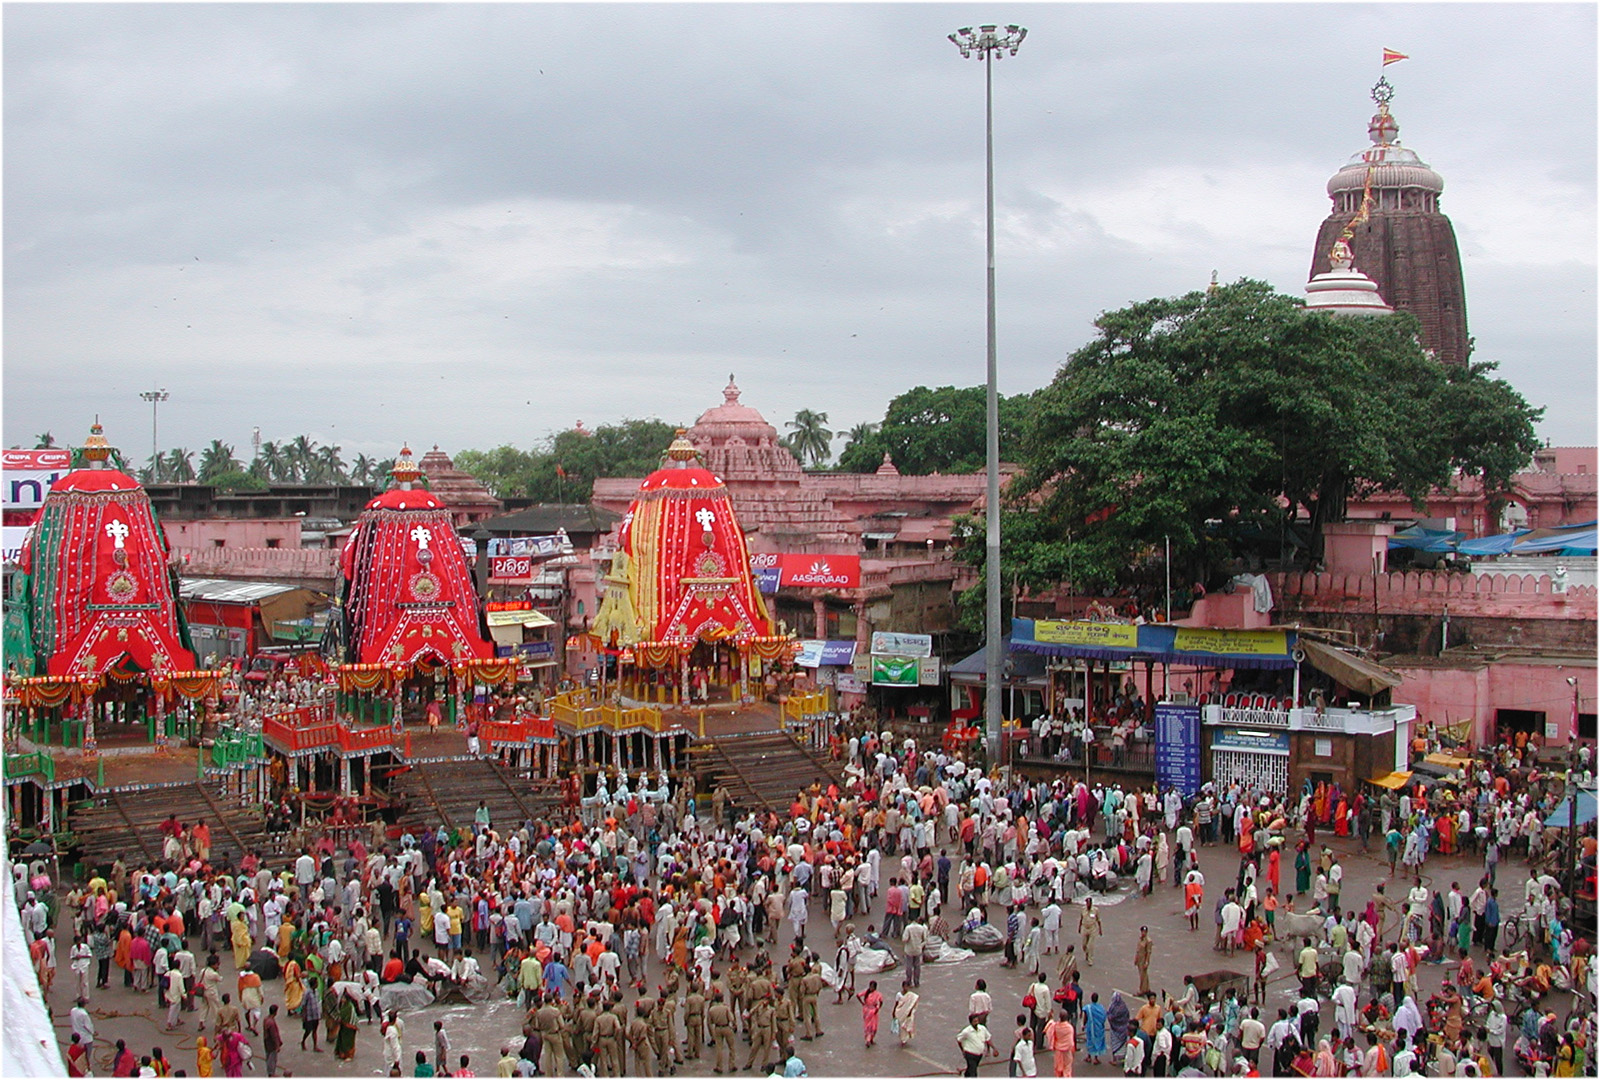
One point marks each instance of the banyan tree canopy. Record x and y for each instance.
(409, 594)
(94, 592)
(681, 574)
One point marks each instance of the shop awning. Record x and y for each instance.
(1393, 781)
(1350, 670)
(1190, 645)
(1586, 811)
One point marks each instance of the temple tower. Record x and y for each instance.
(1386, 212)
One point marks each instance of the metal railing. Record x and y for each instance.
(36, 763)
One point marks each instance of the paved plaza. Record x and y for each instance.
(480, 1031)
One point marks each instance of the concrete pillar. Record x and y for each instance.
(819, 611)
(344, 776)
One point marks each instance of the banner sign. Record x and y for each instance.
(1178, 747)
(519, 618)
(895, 671)
(1263, 742)
(847, 683)
(1108, 635)
(28, 474)
(766, 579)
(928, 671)
(531, 546)
(817, 653)
(14, 536)
(809, 571)
(1243, 642)
(510, 567)
(885, 643)
(528, 650)
(817, 571)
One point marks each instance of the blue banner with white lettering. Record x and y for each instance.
(1178, 747)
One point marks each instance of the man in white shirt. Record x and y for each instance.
(1344, 1009)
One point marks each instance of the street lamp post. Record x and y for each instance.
(1570, 878)
(155, 398)
(989, 43)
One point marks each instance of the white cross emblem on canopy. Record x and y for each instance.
(118, 531)
(421, 536)
(705, 517)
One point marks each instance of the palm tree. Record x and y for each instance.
(809, 437)
(862, 432)
(268, 463)
(180, 465)
(154, 471)
(44, 442)
(361, 471)
(330, 466)
(215, 460)
(302, 454)
(381, 471)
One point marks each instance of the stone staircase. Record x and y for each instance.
(761, 771)
(127, 823)
(448, 792)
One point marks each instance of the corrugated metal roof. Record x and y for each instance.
(218, 590)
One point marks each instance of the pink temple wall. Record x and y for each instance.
(1448, 695)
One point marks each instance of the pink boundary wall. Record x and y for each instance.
(1502, 596)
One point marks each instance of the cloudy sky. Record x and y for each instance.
(469, 225)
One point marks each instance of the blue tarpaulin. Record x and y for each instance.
(1419, 539)
(1490, 545)
(1558, 818)
(1567, 538)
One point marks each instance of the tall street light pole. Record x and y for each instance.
(989, 43)
(155, 398)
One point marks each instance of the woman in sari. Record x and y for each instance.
(330, 1016)
(1247, 835)
(232, 1055)
(904, 1013)
(1325, 1063)
(239, 935)
(1094, 1029)
(1341, 818)
(1274, 859)
(344, 1041)
(1302, 868)
(1117, 1020)
(286, 932)
(123, 955)
(294, 986)
(680, 949)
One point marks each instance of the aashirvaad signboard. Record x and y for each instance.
(808, 571)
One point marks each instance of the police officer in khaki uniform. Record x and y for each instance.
(639, 1037)
(607, 1043)
(761, 1034)
(553, 1033)
(694, 1020)
(720, 1019)
(784, 1016)
(810, 989)
(663, 1023)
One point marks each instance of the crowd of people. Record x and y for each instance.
(640, 938)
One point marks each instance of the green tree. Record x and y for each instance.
(46, 441)
(361, 469)
(1240, 406)
(217, 459)
(237, 480)
(566, 467)
(300, 459)
(180, 465)
(809, 438)
(329, 468)
(943, 429)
